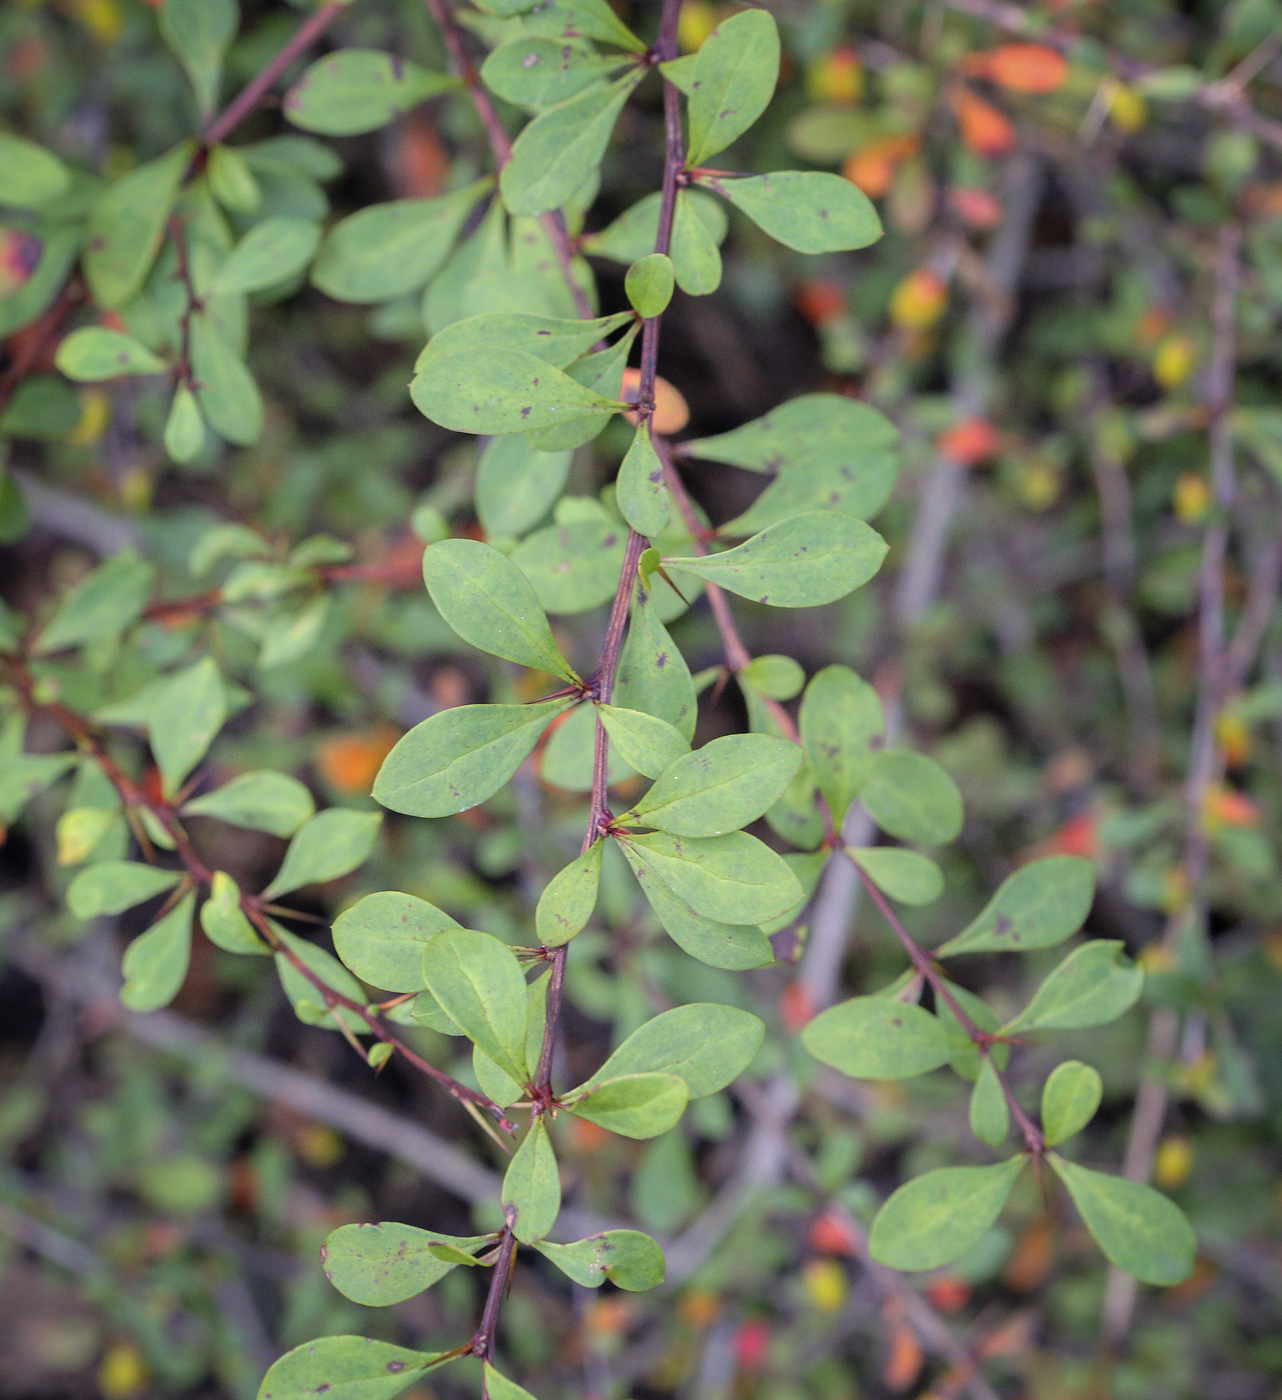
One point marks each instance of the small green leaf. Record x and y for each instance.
(634, 1105)
(650, 745)
(538, 72)
(911, 797)
(733, 81)
(776, 677)
(29, 175)
(231, 181)
(989, 1111)
(705, 1044)
(346, 1368)
(328, 845)
(155, 963)
(489, 602)
(804, 562)
(290, 635)
(382, 937)
(532, 1185)
(357, 90)
(378, 1265)
(805, 433)
(1094, 985)
(127, 224)
(906, 876)
(94, 353)
(842, 725)
(112, 886)
(1140, 1231)
(185, 427)
(936, 1218)
(641, 492)
(498, 1387)
(460, 757)
(199, 31)
(583, 19)
(308, 1001)
(722, 786)
(856, 486)
(225, 389)
(272, 251)
(554, 339)
(516, 485)
(574, 565)
(1070, 1097)
(224, 921)
(653, 675)
(478, 983)
(878, 1038)
(262, 801)
(26, 775)
(696, 259)
(388, 250)
(731, 877)
(736, 947)
(100, 606)
(557, 151)
(634, 233)
(186, 715)
(649, 284)
(629, 1259)
(1036, 907)
(567, 903)
(809, 210)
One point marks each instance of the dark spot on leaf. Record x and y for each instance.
(398, 67)
(395, 1365)
(1003, 924)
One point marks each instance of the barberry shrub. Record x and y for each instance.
(155, 277)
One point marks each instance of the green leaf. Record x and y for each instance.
(583, 19)
(498, 1387)
(557, 151)
(574, 565)
(290, 635)
(26, 775)
(500, 391)
(680, 72)
(306, 999)
(1140, 1231)
(262, 801)
(842, 725)
(855, 486)
(567, 903)
(272, 251)
(186, 715)
(936, 1218)
(808, 210)
(94, 353)
(185, 427)
(224, 921)
(966, 1060)
(804, 562)
(696, 259)
(225, 389)
(705, 1044)
(906, 876)
(722, 786)
(538, 72)
(1094, 985)
(489, 602)
(378, 1265)
(776, 677)
(634, 233)
(1070, 1097)
(735, 947)
(803, 433)
(733, 81)
(878, 1038)
(650, 745)
(330, 844)
(478, 983)
(357, 90)
(33, 406)
(460, 757)
(532, 1185)
(629, 1259)
(516, 485)
(382, 937)
(199, 31)
(155, 963)
(911, 797)
(641, 491)
(29, 175)
(556, 340)
(112, 886)
(633, 1105)
(1037, 907)
(127, 224)
(653, 675)
(388, 250)
(649, 284)
(231, 181)
(731, 877)
(346, 1368)
(101, 606)
(989, 1111)
(601, 372)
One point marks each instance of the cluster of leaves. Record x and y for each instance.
(149, 283)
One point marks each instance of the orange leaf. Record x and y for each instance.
(969, 442)
(795, 1008)
(1032, 1257)
(830, 1233)
(872, 167)
(420, 162)
(904, 1363)
(671, 412)
(975, 207)
(948, 1293)
(350, 762)
(19, 258)
(984, 129)
(819, 301)
(1019, 67)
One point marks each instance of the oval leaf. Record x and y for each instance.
(878, 1038)
(330, 844)
(478, 983)
(382, 937)
(263, 801)
(936, 1218)
(911, 797)
(1036, 907)
(629, 1259)
(734, 79)
(567, 903)
(94, 353)
(634, 1105)
(1070, 1097)
(356, 90)
(532, 1185)
(722, 786)
(378, 1265)
(1094, 985)
(808, 210)
(345, 1368)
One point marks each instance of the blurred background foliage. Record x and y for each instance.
(1040, 320)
